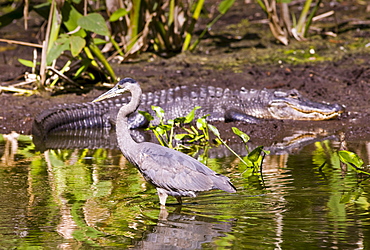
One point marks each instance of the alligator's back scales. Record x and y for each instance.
(221, 104)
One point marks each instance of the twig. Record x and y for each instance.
(12, 89)
(21, 43)
(64, 77)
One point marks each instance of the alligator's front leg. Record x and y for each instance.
(236, 115)
(135, 120)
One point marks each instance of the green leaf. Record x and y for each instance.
(190, 117)
(350, 157)
(201, 124)
(214, 130)
(118, 14)
(158, 111)
(255, 154)
(225, 6)
(26, 63)
(60, 45)
(95, 23)
(70, 19)
(241, 134)
(98, 41)
(77, 44)
(147, 116)
(179, 120)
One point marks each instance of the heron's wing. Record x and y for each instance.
(170, 169)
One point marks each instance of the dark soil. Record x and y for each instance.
(338, 72)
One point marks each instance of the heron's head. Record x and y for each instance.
(125, 85)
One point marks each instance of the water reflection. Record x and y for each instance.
(90, 198)
(176, 230)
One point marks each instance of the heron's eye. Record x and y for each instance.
(119, 86)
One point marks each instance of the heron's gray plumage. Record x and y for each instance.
(170, 171)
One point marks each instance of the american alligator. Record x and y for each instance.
(222, 105)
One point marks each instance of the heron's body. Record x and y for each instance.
(170, 171)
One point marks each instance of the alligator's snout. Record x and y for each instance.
(338, 108)
(304, 109)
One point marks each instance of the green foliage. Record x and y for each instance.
(352, 160)
(254, 159)
(26, 63)
(284, 25)
(223, 8)
(95, 23)
(199, 136)
(165, 131)
(118, 14)
(137, 26)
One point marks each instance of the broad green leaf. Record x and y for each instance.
(60, 45)
(70, 19)
(158, 111)
(241, 134)
(160, 130)
(214, 130)
(190, 117)
(255, 154)
(225, 6)
(201, 123)
(26, 63)
(147, 116)
(350, 157)
(95, 23)
(118, 14)
(77, 44)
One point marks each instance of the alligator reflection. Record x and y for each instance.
(106, 138)
(178, 230)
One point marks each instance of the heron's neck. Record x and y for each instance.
(125, 141)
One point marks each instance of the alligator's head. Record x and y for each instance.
(291, 105)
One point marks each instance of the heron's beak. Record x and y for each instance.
(109, 94)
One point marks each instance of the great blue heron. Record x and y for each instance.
(170, 171)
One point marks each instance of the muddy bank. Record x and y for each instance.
(324, 69)
(342, 82)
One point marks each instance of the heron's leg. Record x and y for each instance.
(162, 196)
(179, 200)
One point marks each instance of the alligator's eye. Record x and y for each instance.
(294, 94)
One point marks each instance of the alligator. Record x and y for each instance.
(222, 104)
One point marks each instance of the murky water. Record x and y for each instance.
(90, 198)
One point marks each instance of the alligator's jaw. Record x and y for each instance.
(304, 110)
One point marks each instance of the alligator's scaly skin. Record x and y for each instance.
(221, 104)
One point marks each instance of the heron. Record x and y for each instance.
(169, 171)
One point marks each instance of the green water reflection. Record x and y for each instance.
(82, 199)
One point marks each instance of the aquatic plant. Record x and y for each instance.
(198, 136)
(78, 45)
(285, 25)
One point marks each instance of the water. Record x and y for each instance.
(91, 198)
